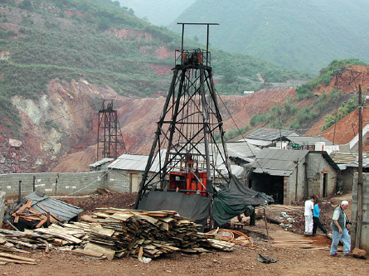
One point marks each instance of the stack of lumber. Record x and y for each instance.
(156, 232)
(116, 233)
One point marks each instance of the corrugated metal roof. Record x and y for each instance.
(277, 161)
(344, 158)
(133, 162)
(242, 150)
(270, 134)
(130, 162)
(101, 162)
(260, 143)
(308, 141)
(56, 207)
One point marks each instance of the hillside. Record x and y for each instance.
(305, 35)
(237, 112)
(69, 142)
(59, 60)
(160, 13)
(106, 45)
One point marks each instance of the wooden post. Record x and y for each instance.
(266, 224)
(20, 191)
(359, 216)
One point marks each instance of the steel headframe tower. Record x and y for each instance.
(188, 153)
(110, 141)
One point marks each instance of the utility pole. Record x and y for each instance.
(359, 216)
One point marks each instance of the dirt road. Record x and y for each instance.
(284, 246)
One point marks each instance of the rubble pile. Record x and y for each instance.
(116, 233)
(102, 198)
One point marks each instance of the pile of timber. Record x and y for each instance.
(154, 233)
(116, 233)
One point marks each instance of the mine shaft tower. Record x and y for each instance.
(110, 143)
(188, 154)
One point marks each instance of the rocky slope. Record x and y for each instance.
(60, 130)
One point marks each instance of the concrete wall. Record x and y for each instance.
(317, 165)
(119, 181)
(52, 183)
(294, 185)
(346, 179)
(364, 241)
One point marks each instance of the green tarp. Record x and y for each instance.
(232, 200)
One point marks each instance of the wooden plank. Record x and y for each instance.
(25, 206)
(87, 252)
(103, 231)
(147, 218)
(41, 223)
(167, 219)
(16, 261)
(156, 213)
(5, 248)
(108, 253)
(16, 257)
(296, 245)
(101, 215)
(88, 218)
(121, 216)
(59, 235)
(293, 241)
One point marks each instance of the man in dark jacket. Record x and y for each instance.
(339, 229)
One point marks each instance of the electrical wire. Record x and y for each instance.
(239, 130)
(88, 185)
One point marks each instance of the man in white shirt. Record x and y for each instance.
(340, 232)
(309, 207)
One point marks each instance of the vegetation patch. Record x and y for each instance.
(325, 77)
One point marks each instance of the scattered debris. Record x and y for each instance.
(229, 235)
(266, 260)
(37, 210)
(359, 253)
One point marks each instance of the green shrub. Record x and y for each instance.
(49, 124)
(26, 5)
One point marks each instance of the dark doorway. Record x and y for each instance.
(325, 183)
(269, 184)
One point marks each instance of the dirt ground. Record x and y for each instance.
(242, 261)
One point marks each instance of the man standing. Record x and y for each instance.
(309, 206)
(316, 219)
(339, 229)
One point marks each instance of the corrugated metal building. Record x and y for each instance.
(101, 164)
(263, 137)
(293, 175)
(125, 173)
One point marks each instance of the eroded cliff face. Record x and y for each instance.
(60, 122)
(59, 131)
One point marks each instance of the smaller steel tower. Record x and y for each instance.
(110, 143)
